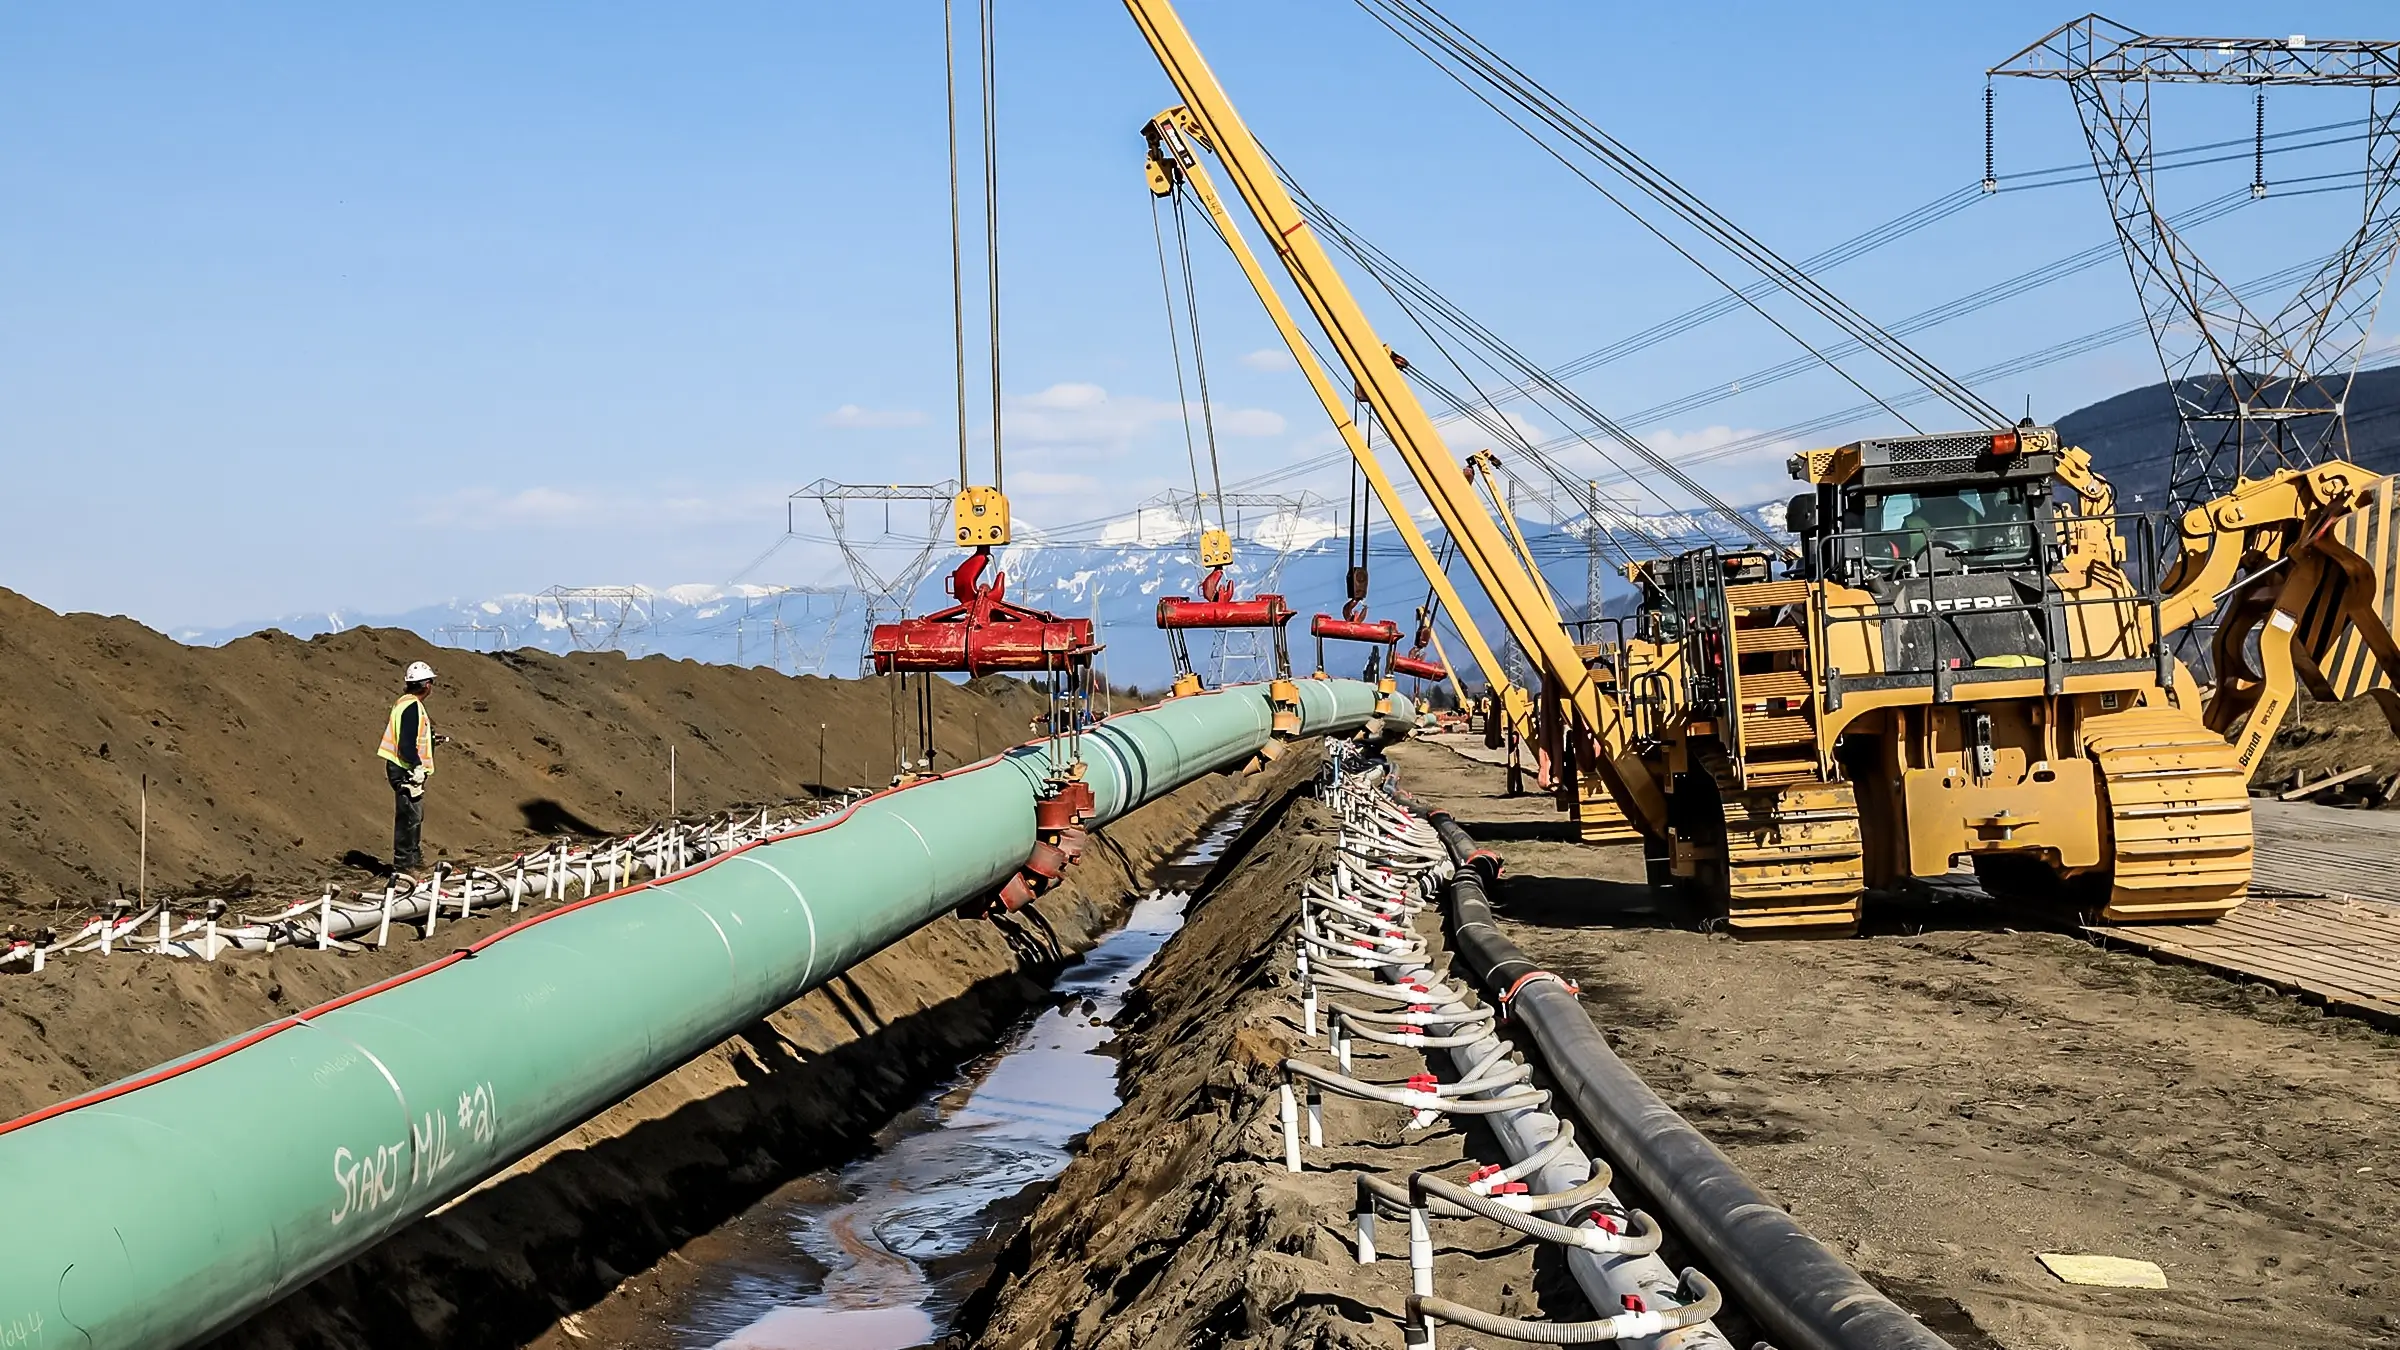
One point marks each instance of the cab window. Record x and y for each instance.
(1972, 528)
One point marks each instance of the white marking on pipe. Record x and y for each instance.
(1631, 1325)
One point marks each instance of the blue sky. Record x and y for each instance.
(366, 306)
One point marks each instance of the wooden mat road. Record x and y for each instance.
(2323, 920)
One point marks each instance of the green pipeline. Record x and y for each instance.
(168, 1212)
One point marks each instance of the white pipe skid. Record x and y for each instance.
(366, 917)
(1389, 866)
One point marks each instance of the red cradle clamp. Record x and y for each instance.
(1509, 995)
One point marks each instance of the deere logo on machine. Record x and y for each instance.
(982, 517)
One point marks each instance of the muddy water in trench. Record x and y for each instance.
(879, 1255)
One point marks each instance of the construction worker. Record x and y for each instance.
(407, 755)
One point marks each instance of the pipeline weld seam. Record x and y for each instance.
(923, 843)
(808, 971)
(407, 1125)
(732, 962)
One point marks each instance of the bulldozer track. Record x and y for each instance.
(1794, 858)
(2178, 809)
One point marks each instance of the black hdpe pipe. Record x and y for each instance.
(1804, 1295)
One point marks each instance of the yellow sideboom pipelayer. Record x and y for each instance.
(1972, 658)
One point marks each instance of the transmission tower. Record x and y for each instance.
(793, 625)
(1238, 655)
(2252, 392)
(604, 618)
(886, 565)
(473, 637)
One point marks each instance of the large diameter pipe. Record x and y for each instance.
(166, 1207)
(1808, 1298)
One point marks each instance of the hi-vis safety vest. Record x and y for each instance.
(390, 749)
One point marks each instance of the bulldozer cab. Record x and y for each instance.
(1925, 506)
(1974, 555)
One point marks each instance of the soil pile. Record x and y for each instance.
(261, 754)
(1178, 1225)
(2320, 739)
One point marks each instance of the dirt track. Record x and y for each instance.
(1940, 1103)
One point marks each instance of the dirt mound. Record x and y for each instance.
(261, 754)
(2327, 738)
(1178, 1226)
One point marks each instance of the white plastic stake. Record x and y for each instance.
(325, 919)
(1291, 1128)
(433, 915)
(1316, 1117)
(383, 930)
(1420, 1254)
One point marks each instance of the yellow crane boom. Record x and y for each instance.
(1212, 121)
(1172, 159)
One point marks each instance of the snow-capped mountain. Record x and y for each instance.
(1116, 581)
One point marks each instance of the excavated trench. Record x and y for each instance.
(883, 1250)
(880, 1254)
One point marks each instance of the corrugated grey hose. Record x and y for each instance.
(1665, 1311)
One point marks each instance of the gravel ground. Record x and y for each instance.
(1945, 1097)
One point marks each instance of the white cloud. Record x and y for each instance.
(1754, 472)
(1036, 484)
(1466, 435)
(1250, 422)
(551, 508)
(854, 416)
(1268, 358)
(1081, 416)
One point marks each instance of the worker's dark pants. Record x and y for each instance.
(408, 821)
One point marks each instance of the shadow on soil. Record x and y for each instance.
(1586, 902)
(1519, 831)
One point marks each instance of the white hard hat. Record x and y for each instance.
(418, 673)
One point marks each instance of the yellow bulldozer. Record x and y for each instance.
(1972, 660)
(1968, 656)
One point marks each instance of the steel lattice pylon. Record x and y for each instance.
(605, 618)
(886, 590)
(796, 644)
(2253, 393)
(1236, 655)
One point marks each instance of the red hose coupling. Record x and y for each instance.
(1380, 631)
